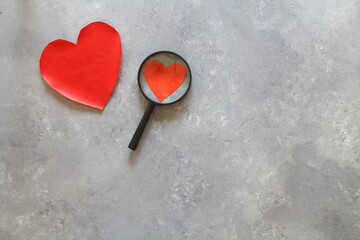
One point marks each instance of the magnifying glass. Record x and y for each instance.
(164, 78)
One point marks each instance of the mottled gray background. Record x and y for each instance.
(265, 146)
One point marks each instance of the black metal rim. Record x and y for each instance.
(145, 60)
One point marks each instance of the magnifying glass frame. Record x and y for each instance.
(140, 129)
(146, 60)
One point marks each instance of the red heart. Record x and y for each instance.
(164, 81)
(85, 72)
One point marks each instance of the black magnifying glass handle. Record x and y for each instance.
(140, 129)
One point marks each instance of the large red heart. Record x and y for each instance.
(164, 81)
(85, 72)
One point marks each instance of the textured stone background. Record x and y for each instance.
(265, 146)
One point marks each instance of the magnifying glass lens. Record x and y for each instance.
(164, 77)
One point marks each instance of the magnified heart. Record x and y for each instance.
(164, 80)
(85, 72)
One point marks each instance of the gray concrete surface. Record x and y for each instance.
(265, 146)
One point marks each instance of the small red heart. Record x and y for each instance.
(164, 81)
(85, 72)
